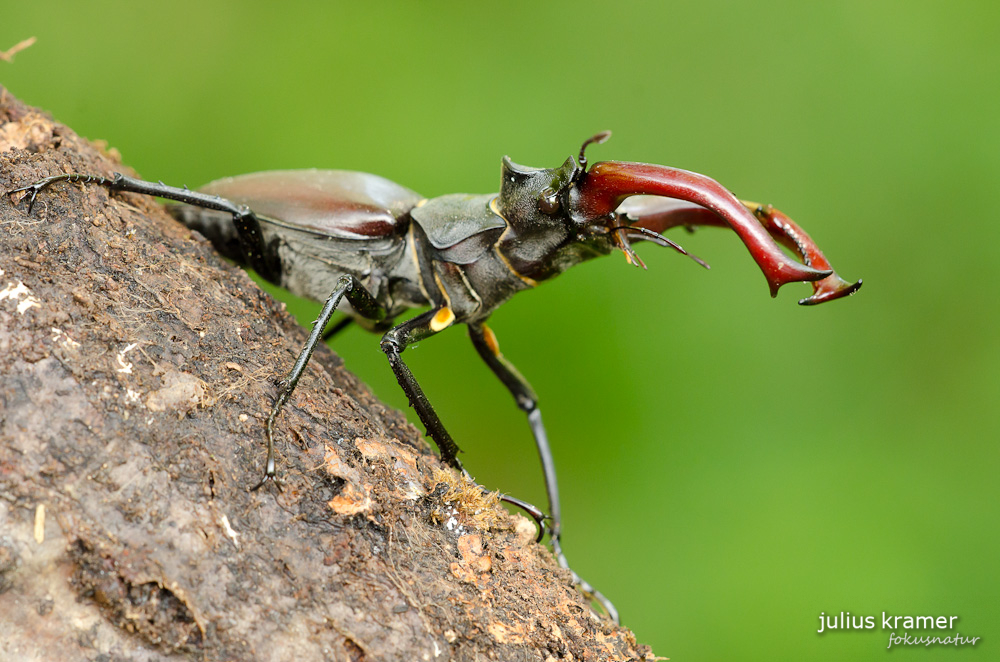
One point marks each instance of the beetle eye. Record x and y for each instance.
(548, 203)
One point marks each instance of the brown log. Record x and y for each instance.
(137, 367)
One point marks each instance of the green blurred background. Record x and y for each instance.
(731, 466)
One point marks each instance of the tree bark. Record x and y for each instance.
(137, 369)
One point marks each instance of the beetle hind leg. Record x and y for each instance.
(365, 304)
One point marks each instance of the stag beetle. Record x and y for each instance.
(374, 249)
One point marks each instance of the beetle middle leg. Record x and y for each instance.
(393, 343)
(486, 345)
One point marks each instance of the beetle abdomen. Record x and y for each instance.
(315, 226)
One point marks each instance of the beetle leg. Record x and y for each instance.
(264, 261)
(486, 345)
(393, 343)
(365, 304)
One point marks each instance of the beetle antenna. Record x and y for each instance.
(656, 238)
(596, 139)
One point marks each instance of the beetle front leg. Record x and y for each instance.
(486, 345)
(365, 304)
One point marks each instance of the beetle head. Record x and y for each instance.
(555, 227)
(526, 192)
(561, 216)
(542, 242)
(545, 238)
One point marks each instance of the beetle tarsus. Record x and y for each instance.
(42, 184)
(268, 479)
(534, 512)
(581, 584)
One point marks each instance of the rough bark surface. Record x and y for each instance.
(137, 368)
